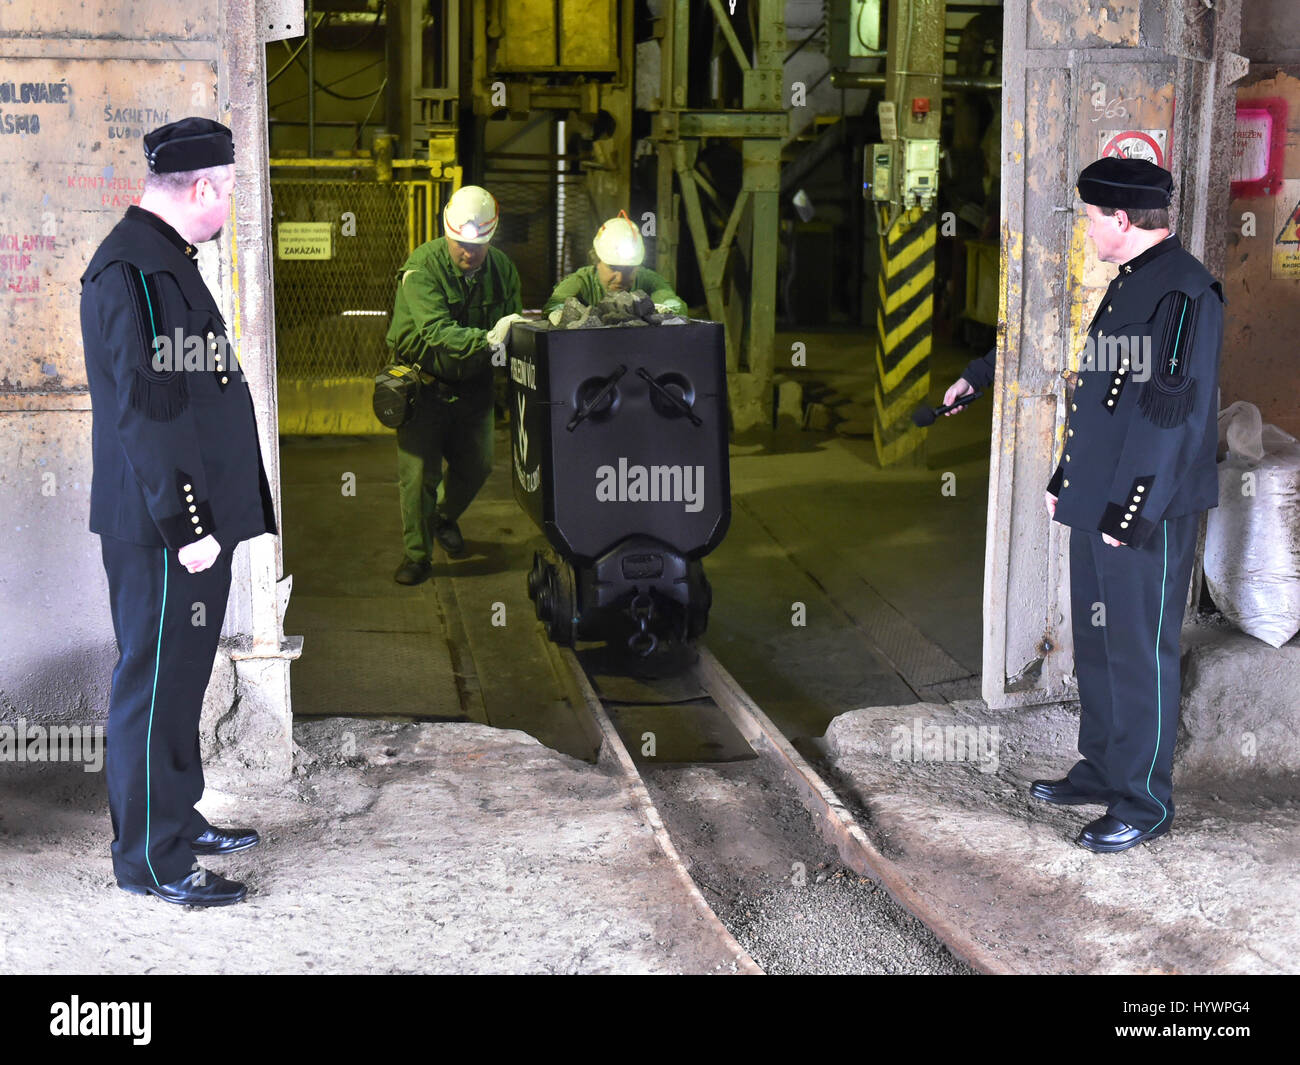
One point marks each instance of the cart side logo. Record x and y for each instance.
(530, 482)
(651, 484)
(523, 373)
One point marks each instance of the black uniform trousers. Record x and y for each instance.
(1127, 664)
(155, 776)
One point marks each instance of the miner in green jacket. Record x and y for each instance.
(456, 299)
(619, 253)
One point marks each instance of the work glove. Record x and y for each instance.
(498, 333)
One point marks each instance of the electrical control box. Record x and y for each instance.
(878, 172)
(920, 172)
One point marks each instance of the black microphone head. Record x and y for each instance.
(923, 416)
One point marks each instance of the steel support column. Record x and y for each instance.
(750, 231)
(905, 317)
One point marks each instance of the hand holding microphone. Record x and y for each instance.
(960, 393)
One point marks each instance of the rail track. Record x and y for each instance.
(705, 687)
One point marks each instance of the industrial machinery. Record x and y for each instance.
(619, 441)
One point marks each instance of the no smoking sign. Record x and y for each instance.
(1148, 144)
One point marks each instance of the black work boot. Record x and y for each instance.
(411, 572)
(448, 534)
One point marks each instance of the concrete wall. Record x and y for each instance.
(79, 86)
(1270, 31)
(94, 86)
(1262, 326)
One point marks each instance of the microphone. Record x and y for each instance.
(924, 415)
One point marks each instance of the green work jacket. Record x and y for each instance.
(587, 287)
(441, 317)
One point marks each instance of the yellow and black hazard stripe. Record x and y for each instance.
(904, 326)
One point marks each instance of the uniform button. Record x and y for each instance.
(1123, 525)
(224, 380)
(199, 529)
(1065, 484)
(1114, 391)
(1142, 488)
(1067, 458)
(1110, 309)
(188, 487)
(1069, 432)
(195, 519)
(1110, 403)
(1137, 499)
(189, 499)
(1132, 506)
(192, 508)
(1073, 407)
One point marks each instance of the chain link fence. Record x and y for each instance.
(546, 227)
(331, 314)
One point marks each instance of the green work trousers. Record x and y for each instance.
(458, 431)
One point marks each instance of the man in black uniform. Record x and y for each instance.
(1137, 472)
(178, 482)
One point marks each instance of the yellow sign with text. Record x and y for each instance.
(1286, 227)
(304, 240)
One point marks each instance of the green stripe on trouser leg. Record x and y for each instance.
(1128, 672)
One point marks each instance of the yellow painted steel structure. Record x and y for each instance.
(904, 331)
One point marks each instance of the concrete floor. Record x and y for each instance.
(447, 814)
(398, 848)
(1219, 894)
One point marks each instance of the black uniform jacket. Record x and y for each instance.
(175, 448)
(1141, 435)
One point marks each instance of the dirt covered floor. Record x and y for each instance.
(400, 848)
(1219, 894)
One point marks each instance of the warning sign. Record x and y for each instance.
(1286, 227)
(304, 240)
(1148, 144)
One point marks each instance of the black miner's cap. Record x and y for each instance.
(1125, 184)
(190, 144)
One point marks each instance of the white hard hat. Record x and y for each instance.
(618, 242)
(471, 215)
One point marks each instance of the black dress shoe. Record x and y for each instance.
(448, 534)
(1063, 793)
(201, 888)
(1108, 834)
(225, 840)
(410, 572)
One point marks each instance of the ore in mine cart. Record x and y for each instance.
(619, 441)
